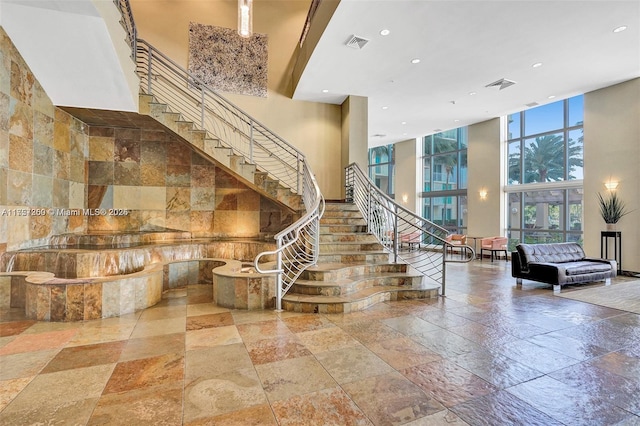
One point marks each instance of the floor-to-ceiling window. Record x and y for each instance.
(381, 168)
(545, 171)
(444, 177)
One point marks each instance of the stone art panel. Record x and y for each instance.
(227, 62)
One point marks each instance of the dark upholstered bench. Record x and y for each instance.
(559, 264)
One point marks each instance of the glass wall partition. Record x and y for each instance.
(444, 179)
(382, 168)
(545, 171)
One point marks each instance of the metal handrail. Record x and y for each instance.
(224, 122)
(297, 246)
(394, 226)
(128, 24)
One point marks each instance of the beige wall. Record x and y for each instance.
(408, 174)
(313, 128)
(485, 154)
(612, 151)
(354, 145)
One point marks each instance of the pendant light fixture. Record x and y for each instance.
(245, 18)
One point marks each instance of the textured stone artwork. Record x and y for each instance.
(227, 62)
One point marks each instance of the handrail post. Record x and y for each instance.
(300, 176)
(369, 227)
(251, 141)
(395, 236)
(149, 71)
(202, 107)
(279, 277)
(444, 269)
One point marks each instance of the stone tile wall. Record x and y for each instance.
(153, 180)
(42, 158)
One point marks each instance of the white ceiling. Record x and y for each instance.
(464, 46)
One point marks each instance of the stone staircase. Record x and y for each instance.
(214, 150)
(354, 271)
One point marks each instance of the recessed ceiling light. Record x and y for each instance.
(404, 122)
(472, 93)
(620, 29)
(385, 32)
(415, 61)
(536, 65)
(385, 107)
(404, 134)
(551, 96)
(325, 91)
(456, 120)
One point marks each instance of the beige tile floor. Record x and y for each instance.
(487, 354)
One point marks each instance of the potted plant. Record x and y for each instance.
(612, 209)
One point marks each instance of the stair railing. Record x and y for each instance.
(226, 123)
(394, 226)
(297, 246)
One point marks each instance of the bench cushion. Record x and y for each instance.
(549, 253)
(586, 267)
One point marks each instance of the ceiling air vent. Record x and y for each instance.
(503, 83)
(532, 104)
(357, 42)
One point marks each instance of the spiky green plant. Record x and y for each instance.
(612, 208)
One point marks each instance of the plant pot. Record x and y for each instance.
(611, 227)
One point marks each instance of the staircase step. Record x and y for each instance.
(222, 155)
(342, 221)
(327, 237)
(342, 213)
(197, 138)
(338, 271)
(339, 246)
(354, 257)
(341, 229)
(346, 286)
(354, 302)
(341, 207)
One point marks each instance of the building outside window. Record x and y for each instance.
(545, 172)
(382, 168)
(444, 177)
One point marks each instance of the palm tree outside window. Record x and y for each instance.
(545, 171)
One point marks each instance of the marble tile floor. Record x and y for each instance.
(487, 354)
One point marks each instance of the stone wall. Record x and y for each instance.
(42, 158)
(151, 180)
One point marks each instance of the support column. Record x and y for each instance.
(355, 134)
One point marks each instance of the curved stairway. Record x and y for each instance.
(214, 150)
(354, 271)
